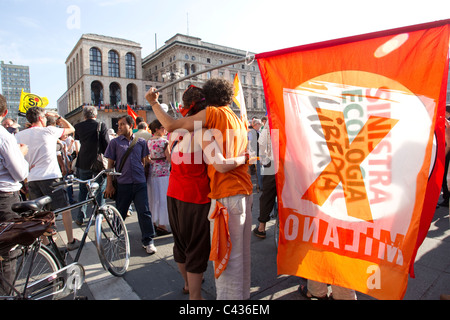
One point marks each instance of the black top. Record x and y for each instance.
(86, 133)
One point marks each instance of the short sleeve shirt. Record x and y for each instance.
(133, 169)
(41, 156)
(13, 166)
(233, 141)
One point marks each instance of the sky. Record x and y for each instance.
(42, 33)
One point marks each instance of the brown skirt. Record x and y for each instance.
(190, 227)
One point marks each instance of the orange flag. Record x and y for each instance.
(361, 153)
(221, 241)
(132, 114)
(239, 99)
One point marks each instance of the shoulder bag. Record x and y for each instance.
(101, 162)
(122, 162)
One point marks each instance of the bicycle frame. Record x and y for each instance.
(89, 224)
(91, 199)
(73, 271)
(69, 277)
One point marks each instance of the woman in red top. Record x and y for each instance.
(187, 195)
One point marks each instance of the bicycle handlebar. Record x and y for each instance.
(72, 178)
(57, 184)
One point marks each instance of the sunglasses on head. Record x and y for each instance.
(184, 110)
(189, 87)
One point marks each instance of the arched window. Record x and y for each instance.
(95, 58)
(186, 69)
(96, 93)
(130, 66)
(114, 94)
(113, 64)
(132, 94)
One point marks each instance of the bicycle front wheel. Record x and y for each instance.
(111, 237)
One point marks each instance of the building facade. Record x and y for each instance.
(111, 74)
(104, 72)
(184, 55)
(14, 78)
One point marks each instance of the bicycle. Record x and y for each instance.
(34, 271)
(111, 235)
(111, 240)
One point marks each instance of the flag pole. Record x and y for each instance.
(249, 59)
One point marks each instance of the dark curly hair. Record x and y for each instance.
(218, 92)
(194, 95)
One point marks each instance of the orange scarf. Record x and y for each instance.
(221, 242)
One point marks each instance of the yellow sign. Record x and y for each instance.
(28, 100)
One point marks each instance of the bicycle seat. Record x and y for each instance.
(31, 205)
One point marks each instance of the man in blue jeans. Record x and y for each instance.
(90, 139)
(132, 183)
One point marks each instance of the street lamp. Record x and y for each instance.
(172, 76)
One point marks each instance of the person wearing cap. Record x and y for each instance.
(111, 134)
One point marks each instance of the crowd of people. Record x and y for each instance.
(124, 107)
(189, 177)
(176, 178)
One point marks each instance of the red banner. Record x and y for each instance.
(361, 153)
(133, 114)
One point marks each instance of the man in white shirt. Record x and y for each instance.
(13, 167)
(44, 167)
(13, 170)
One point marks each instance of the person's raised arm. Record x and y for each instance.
(63, 123)
(169, 123)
